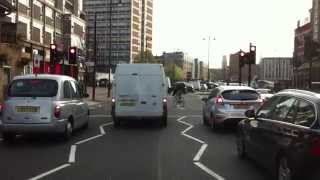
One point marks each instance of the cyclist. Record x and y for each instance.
(178, 91)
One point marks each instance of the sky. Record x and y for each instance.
(269, 24)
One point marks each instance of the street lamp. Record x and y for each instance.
(209, 44)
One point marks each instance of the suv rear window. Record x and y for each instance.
(241, 95)
(33, 88)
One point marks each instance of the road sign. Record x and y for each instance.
(36, 60)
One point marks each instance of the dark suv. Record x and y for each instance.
(284, 135)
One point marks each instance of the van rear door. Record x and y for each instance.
(151, 94)
(127, 94)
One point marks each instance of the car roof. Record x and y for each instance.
(313, 96)
(224, 88)
(44, 76)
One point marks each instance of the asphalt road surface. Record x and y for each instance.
(185, 150)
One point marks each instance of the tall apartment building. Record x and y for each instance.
(276, 69)
(131, 29)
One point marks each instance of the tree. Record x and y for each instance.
(174, 72)
(146, 57)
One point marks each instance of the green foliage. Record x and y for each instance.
(146, 57)
(174, 72)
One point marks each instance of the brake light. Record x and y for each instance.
(57, 111)
(219, 100)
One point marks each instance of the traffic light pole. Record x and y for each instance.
(95, 58)
(110, 47)
(249, 74)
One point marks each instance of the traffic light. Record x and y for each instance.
(53, 53)
(72, 55)
(252, 57)
(242, 59)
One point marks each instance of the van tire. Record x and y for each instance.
(164, 121)
(116, 122)
(8, 137)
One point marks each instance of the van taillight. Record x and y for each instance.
(219, 100)
(164, 100)
(57, 111)
(113, 100)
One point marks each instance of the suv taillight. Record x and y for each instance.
(315, 148)
(57, 111)
(219, 100)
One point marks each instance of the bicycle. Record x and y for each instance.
(179, 100)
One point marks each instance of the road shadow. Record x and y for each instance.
(143, 124)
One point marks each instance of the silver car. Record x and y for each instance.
(227, 104)
(43, 104)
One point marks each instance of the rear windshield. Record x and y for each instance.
(33, 88)
(240, 95)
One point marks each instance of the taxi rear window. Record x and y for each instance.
(33, 88)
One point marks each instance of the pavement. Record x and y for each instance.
(138, 150)
(100, 97)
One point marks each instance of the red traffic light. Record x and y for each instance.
(252, 48)
(242, 54)
(53, 46)
(72, 50)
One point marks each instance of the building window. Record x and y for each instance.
(35, 34)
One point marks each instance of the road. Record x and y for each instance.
(139, 150)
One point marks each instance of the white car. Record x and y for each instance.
(43, 104)
(139, 92)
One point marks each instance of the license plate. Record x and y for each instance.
(27, 109)
(240, 106)
(127, 104)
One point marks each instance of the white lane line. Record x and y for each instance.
(200, 152)
(100, 116)
(193, 138)
(209, 171)
(49, 172)
(72, 155)
(102, 130)
(88, 139)
(197, 157)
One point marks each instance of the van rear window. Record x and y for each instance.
(33, 88)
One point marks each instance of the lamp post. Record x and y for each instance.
(209, 46)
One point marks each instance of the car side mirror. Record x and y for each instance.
(205, 99)
(250, 113)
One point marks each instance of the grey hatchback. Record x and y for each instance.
(43, 104)
(227, 104)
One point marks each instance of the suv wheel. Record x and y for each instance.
(212, 122)
(284, 171)
(204, 119)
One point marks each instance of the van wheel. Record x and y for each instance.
(68, 131)
(164, 121)
(213, 122)
(116, 122)
(204, 119)
(8, 137)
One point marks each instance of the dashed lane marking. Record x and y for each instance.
(209, 171)
(50, 172)
(72, 155)
(88, 139)
(197, 157)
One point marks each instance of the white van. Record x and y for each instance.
(139, 92)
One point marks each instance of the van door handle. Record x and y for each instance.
(143, 102)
